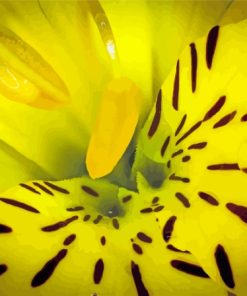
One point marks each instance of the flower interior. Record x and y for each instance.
(161, 208)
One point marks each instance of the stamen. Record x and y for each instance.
(25, 77)
(106, 34)
(16, 86)
(119, 109)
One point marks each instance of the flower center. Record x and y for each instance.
(111, 208)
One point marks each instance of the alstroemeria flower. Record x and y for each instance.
(149, 37)
(164, 212)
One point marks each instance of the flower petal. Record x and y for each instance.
(90, 237)
(174, 24)
(203, 114)
(16, 168)
(236, 12)
(159, 32)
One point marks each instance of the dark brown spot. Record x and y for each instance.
(174, 249)
(223, 167)
(180, 126)
(115, 223)
(33, 190)
(215, 109)
(189, 268)
(146, 210)
(184, 200)
(240, 211)
(164, 146)
(177, 153)
(208, 198)
(225, 120)
(155, 200)
(156, 119)
(186, 158)
(224, 266)
(56, 188)
(143, 237)
(19, 204)
(5, 229)
(3, 268)
(168, 164)
(98, 219)
(59, 225)
(168, 228)
(137, 249)
(69, 239)
(90, 191)
(193, 54)
(86, 218)
(75, 209)
(45, 273)
(177, 178)
(244, 117)
(158, 208)
(98, 271)
(43, 188)
(200, 145)
(189, 132)
(127, 198)
(137, 277)
(103, 240)
(176, 88)
(211, 45)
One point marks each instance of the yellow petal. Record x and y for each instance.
(85, 237)
(174, 24)
(237, 11)
(201, 142)
(16, 168)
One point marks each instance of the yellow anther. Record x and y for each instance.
(16, 87)
(119, 109)
(114, 127)
(26, 77)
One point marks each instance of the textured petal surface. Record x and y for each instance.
(84, 237)
(198, 132)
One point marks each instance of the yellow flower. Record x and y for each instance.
(77, 84)
(68, 41)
